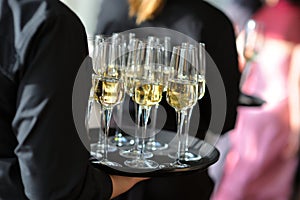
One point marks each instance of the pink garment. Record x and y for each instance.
(255, 168)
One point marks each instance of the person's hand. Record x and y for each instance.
(122, 183)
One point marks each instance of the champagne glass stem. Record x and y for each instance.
(152, 144)
(186, 129)
(118, 134)
(119, 139)
(152, 138)
(107, 118)
(137, 120)
(188, 154)
(245, 73)
(140, 161)
(180, 134)
(145, 113)
(88, 114)
(100, 138)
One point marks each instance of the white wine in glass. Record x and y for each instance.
(109, 88)
(147, 93)
(200, 63)
(108, 92)
(182, 94)
(132, 71)
(163, 55)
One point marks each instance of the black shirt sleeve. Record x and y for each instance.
(53, 161)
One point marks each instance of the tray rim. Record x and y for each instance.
(196, 166)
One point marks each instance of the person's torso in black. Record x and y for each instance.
(42, 45)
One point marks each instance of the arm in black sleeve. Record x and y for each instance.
(53, 162)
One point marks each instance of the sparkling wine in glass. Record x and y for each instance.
(147, 93)
(199, 61)
(164, 57)
(109, 88)
(182, 94)
(132, 71)
(119, 139)
(95, 51)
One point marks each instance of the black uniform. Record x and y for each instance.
(42, 45)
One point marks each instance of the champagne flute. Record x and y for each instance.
(131, 72)
(95, 44)
(199, 60)
(119, 139)
(201, 70)
(96, 148)
(182, 94)
(152, 143)
(109, 88)
(91, 45)
(147, 93)
(253, 42)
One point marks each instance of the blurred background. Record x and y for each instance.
(89, 10)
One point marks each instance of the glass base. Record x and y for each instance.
(141, 164)
(133, 153)
(109, 163)
(187, 156)
(96, 154)
(156, 146)
(96, 147)
(121, 141)
(174, 165)
(96, 150)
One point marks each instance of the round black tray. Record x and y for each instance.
(209, 155)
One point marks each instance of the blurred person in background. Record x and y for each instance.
(204, 23)
(42, 47)
(295, 102)
(240, 11)
(262, 161)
